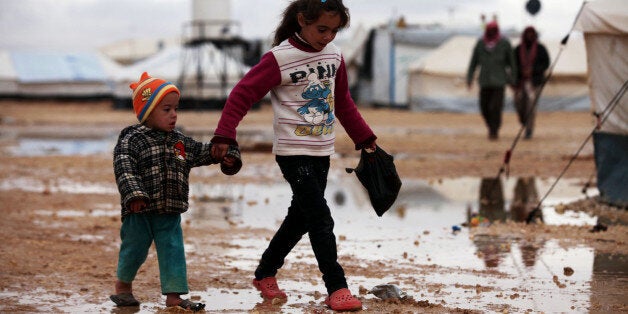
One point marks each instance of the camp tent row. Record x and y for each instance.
(55, 74)
(201, 72)
(45, 74)
(434, 82)
(438, 81)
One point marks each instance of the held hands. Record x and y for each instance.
(219, 151)
(229, 156)
(228, 161)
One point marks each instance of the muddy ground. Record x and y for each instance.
(63, 262)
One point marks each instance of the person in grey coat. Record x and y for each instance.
(493, 54)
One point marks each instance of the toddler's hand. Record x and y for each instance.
(231, 162)
(228, 161)
(137, 205)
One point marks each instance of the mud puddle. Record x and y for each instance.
(426, 245)
(421, 235)
(32, 147)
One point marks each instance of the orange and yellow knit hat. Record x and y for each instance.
(147, 93)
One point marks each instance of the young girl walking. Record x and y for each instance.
(306, 76)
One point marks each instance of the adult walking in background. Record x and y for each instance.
(493, 54)
(532, 61)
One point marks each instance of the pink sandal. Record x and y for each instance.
(342, 300)
(269, 288)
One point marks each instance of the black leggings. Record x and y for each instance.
(308, 213)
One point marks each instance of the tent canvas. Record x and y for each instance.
(438, 81)
(51, 74)
(8, 77)
(603, 23)
(40, 66)
(389, 53)
(181, 65)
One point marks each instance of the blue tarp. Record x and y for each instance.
(611, 161)
(41, 67)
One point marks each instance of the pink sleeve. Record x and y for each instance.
(250, 89)
(347, 112)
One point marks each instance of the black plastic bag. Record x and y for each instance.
(377, 173)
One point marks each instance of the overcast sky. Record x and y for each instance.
(88, 24)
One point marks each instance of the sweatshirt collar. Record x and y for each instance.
(301, 44)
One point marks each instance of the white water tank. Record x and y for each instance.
(211, 19)
(211, 10)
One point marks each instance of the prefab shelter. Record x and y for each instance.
(352, 48)
(391, 51)
(388, 53)
(605, 27)
(437, 82)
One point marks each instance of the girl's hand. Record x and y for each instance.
(371, 147)
(137, 205)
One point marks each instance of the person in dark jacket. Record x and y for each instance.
(152, 163)
(493, 54)
(532, 62)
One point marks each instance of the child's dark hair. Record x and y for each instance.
(311, 10)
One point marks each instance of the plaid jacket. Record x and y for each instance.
(155, 166)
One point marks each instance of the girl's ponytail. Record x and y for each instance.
(289, 23)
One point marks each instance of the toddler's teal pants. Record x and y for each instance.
(138, 231)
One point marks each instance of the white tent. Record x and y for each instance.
(48, 74)
(129, 51)
(438, 81)
(8, 77)
(605, 27)
(181, 66)
(352, 51)
(201, 72)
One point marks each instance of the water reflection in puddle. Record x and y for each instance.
(59, 185)
(63, 146)
(426, 205)
(416, 234)
(457, 269)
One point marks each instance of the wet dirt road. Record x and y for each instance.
(61, 221)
